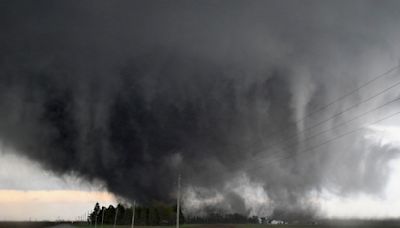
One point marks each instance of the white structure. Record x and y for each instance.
(276, 222)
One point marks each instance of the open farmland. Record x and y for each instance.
(368, 225)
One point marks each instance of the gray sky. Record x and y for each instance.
(122, 96)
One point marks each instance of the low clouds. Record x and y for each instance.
(134, 93)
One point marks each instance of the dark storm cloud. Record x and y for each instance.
(131, 93)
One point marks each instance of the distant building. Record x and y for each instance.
(276, 222)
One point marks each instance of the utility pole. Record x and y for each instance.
(115, 219)
(178, 200)
(133, 214)
(95, 220)
(102, 217)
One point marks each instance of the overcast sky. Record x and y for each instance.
(272, 108)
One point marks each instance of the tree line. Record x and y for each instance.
(156, 214)
(162, 214)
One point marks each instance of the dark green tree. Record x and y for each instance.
(121, 213)
(95, 214)
(109, 215)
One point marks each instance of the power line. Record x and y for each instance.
(351, 107)
(343, 111)
(339, 99)
(349, 93)
(325, 142)
(340, 113)
(291, 139)
(304, 152)
(341, 124)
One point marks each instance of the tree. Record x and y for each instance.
(95, 214)
(109, 215)
(120, 215)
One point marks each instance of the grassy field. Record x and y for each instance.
(4, 224)
(371, 225)
(345, 225)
